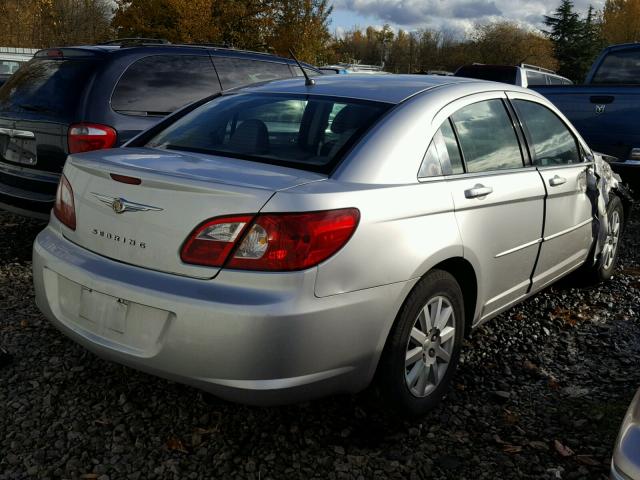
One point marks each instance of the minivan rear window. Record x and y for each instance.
(301, 131)
(50, 87)
(495, 73)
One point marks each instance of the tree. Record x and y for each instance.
(303, 26)
(46, 23)
(621, 21)
(508, 43)
(568, 32)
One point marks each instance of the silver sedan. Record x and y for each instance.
(288, 241)
(625, 464)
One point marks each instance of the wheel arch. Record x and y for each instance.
(464, 273)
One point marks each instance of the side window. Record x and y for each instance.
(160, 84)
(536, 78)
(487, 137)
(553, 143)
(235, 72)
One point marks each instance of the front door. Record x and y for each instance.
(557, 155)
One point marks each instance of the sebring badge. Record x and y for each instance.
(121, 205)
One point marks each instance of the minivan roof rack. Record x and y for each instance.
(535, 67)
(208, 44)
(136, 41)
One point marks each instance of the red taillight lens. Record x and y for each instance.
(85, 137)
(65, 208)
(210, 243)
(272, 242)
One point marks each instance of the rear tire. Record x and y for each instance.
(423, 347)
(608, 258)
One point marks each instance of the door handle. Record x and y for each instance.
(556, 180)
(478, 190)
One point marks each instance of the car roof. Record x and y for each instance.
(377, 88)
(151, 49)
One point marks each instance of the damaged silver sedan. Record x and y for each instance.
(293, 240)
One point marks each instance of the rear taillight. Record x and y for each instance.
(211, 242)
(271, 242)
(85, 137)
(64, 208)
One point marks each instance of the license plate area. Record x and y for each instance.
(105, 311)
(18, 146)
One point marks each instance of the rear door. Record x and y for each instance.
(499, 200)
(568, 218)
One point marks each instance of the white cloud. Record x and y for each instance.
(455, 15)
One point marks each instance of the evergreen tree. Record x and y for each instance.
(566, 33)
(576, 41)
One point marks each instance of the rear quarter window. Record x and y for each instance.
(235, 72)
(51, 87)
(160, 84)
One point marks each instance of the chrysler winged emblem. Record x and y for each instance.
(121, 205)
(600, 109)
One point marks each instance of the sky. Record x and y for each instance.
(457, 16)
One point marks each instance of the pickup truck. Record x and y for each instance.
(606, 108)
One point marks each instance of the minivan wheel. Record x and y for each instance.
(608, 258)
(423, 347)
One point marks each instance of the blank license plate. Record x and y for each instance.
(104, 310)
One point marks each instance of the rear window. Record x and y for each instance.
(619, 67)
(51, 87)
(235, 72)
(160, 84)
(504, 74)
(305, 132)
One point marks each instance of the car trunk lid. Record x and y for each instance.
(177, 192)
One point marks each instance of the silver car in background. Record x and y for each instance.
(625, 464)
(288, 241)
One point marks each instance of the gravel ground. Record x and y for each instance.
(540, 394)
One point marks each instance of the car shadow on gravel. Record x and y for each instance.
(17, 236)
(540, 394)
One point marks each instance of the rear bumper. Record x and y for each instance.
(249, 337)
(26, 191)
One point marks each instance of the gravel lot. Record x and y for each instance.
(540, 394)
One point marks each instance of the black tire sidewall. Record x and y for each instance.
(392, 371)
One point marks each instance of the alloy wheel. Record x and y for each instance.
(430, 346)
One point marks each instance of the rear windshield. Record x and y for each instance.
(51, 87)
(300, 131)
(619, 67)
(489, 72)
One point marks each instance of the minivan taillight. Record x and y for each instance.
(65, 209)
(85, 137)
(271, 242)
